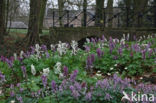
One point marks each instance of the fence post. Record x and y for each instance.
(85, 13)
(127, 18)
(104, 17)
(53, 18)
(118, 20)
(67, 18)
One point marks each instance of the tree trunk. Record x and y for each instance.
(99, 17)
(110, 12)
(155, 13)
(139, 7)
(84, 20)
(7, 16)
(33, 29)
(43, 8)
(2, 20)
(60, 6)
(128, 5)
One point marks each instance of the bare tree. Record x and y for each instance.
(33, 29)
(61, 7)
(110, 12)
(99, 12)
(43, 9)
(139, 7)
(2, 20)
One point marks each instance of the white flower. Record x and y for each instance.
(33, 70)
(0, 92)
(60, 75)
(98, 71)
(46, 71)
(52, 47)
(37, 47)
(117, 72)
(21, 54)
(12, 101)
(116, 65)
(117, 40)
(88, 40)
(74, 46)
(144, 37)
(126, 68)
(109, 74)
(111, 68)
(128, 36)
(15, 56)
(57, 68)
(124, 36)
(62, 48)
(122, 41)
(99, 75)
(141, 78)
(114, 40)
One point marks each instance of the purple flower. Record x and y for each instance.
(33, 94)
(12, 93)
(19, 99)
(87, 48)
(53, 85)
(115, 57)
(131, 54)
(23, 68)
(2, 58)
(83, 85)
(75, 93)
(99, 52)
(134, 37)
(44, 47)
(27, 54)
(21, 89)
(44, 80)
(9, 62)
(143, 54)
(18, 85)
(88, 62)
(11, 86)
(103, 84)
(77, 86)
(47, 55)
(71, 88)
(111, 44)
(88, 96)
(108, 97)
(65, 71)
(150, 52)
(92, 57)
(120, 51)
(32, 50)
(103, 38)
(93, 40)
(73, 75)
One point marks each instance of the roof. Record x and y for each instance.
(72, 13)
(17, 24)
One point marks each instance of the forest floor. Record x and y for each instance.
(13, 43)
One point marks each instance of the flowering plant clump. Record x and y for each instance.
(66, 73)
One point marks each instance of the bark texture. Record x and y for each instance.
(2, 20)
(34, 19)
(42, 14)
